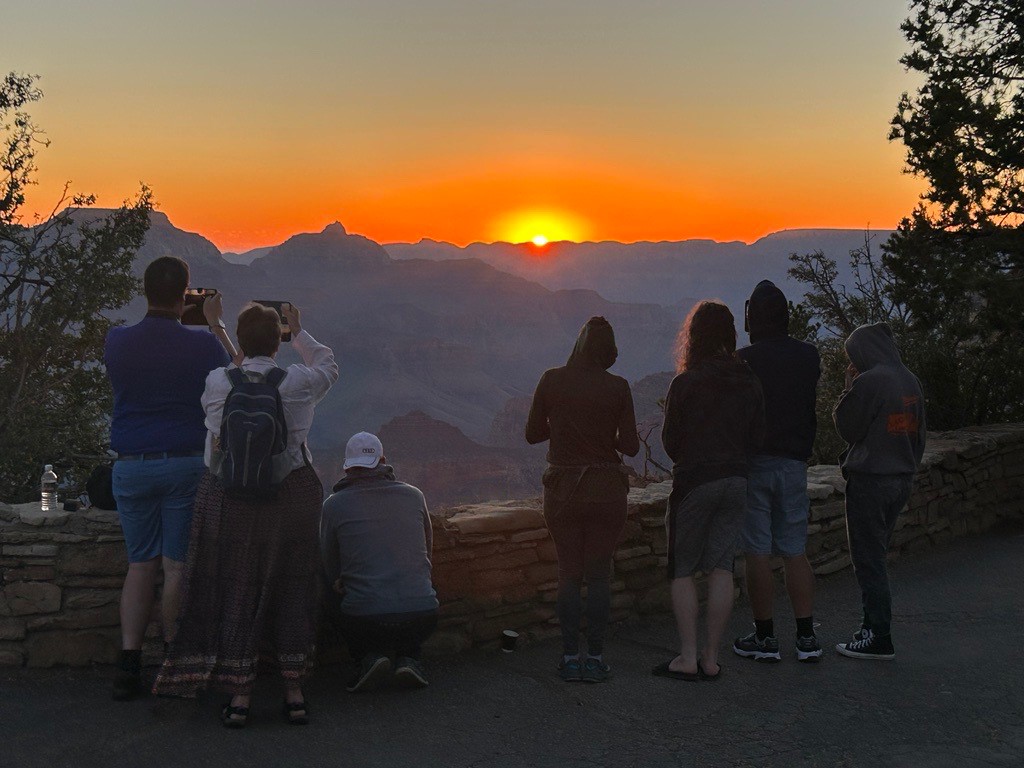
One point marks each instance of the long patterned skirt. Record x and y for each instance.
(251, 589)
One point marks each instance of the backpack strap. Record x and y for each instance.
(275, 376)
(236, 377)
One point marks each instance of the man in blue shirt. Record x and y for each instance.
(158, 370)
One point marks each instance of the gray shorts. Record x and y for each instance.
(704, 527)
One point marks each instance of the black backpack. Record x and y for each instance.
(253, 436)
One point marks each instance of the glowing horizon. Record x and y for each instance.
(458, 121)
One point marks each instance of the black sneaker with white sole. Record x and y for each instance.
(867, 645)
(759, 648)
(372, 672)
(808, 649)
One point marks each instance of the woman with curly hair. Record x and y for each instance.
(714, 423)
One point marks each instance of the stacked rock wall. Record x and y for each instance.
(494, 564)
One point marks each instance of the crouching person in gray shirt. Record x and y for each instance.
(375, 541)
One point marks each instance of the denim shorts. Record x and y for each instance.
(777, 507)
(154, 502)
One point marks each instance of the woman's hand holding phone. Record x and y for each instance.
(213, 310)
(293, 316)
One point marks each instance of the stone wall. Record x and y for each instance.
(494, 564)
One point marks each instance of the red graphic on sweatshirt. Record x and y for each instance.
(905, 423)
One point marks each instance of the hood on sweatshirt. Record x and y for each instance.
(871, 345)
(595, 346)
(767, 313)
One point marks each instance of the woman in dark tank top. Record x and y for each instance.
(587, 414)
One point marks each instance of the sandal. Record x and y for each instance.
(296, 712)
(234, 717)
(663, 670)
(704, 675)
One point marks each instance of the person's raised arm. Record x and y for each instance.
(856, 409)
(537, 427)
(321, 368)
(213, 311)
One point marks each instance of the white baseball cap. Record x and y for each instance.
(363, 450)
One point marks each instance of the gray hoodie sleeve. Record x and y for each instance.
(855, 411)
(329, 556)
(428, 529)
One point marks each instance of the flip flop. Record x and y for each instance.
(705, 676)
(663, 670)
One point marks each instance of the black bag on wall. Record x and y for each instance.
(100, 487)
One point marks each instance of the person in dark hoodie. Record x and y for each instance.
(881, 417)
(375, 546)
(587, 414)
(777, 502)
(714, 423)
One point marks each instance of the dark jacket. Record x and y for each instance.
(587, 414)
(788, 371)
(375, 536)
(882, 415)
(714, 422)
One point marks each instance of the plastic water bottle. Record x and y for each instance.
(48, 498)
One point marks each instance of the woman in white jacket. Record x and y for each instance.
(252, 576)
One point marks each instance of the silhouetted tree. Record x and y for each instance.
(949, 279)
(955, 263)
(59, 274)
(964, 127)
(830, 310)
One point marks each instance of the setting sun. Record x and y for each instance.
(527, 226)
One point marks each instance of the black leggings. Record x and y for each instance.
(585, 534)
(392, 634)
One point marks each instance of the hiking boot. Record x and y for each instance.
(571, 671)
(867, 645)
(128, 677)
(372, 672)
(808, 649)
(409, 673)
(758, 648)
(595, 670)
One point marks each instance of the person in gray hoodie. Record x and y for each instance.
(375, 543)
(881, 416)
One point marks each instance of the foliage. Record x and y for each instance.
(955, 263)
(829, 312)
(949, 279)
(966, 337)
(58, 276)
(964, 128)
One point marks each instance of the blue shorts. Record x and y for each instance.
(154, 501)
(777, 507)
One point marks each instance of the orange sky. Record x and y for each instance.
(463, 121)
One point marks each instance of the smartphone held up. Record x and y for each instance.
(194, 300)
(286, 331)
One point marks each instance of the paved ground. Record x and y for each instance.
(954, 697)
